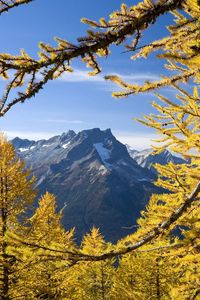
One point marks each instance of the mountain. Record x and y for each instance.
(93, 177)
(146, 159)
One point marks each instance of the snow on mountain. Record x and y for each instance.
(103, 152)
(23, 149)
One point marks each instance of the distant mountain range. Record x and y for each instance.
(146, 158)
(98, 180)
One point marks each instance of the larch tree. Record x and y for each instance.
(39, 274)
(93, 280)
(144, 275)
(16, 196)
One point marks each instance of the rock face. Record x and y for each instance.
(94, 178)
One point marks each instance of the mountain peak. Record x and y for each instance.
(22, 143)
(93, 173)
(69, 133)
(98, 132)
(66, 136)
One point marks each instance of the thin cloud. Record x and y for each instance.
(64, 121)
(82, 76)
(139, 77)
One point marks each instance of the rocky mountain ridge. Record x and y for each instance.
(146, 158)
(93, 177)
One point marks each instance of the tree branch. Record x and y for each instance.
(6, 5)
(155, 232)
(85, 49)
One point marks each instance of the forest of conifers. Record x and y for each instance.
(39, 259)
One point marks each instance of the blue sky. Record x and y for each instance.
(77, 101)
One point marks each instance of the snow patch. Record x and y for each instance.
(23, 149)
(66, 145)
(143, 179)
(142, 156)
(145, 153)
(123, 163)
(40, 180)
(131, 148)
(103, 152)
(103, 170)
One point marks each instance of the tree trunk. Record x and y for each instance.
(103, 288)
(158, 293)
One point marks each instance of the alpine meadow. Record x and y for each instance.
(160, 258)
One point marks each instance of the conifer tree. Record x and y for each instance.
(93, 280)
(144, 275)
(39, 275)
(16, 196)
